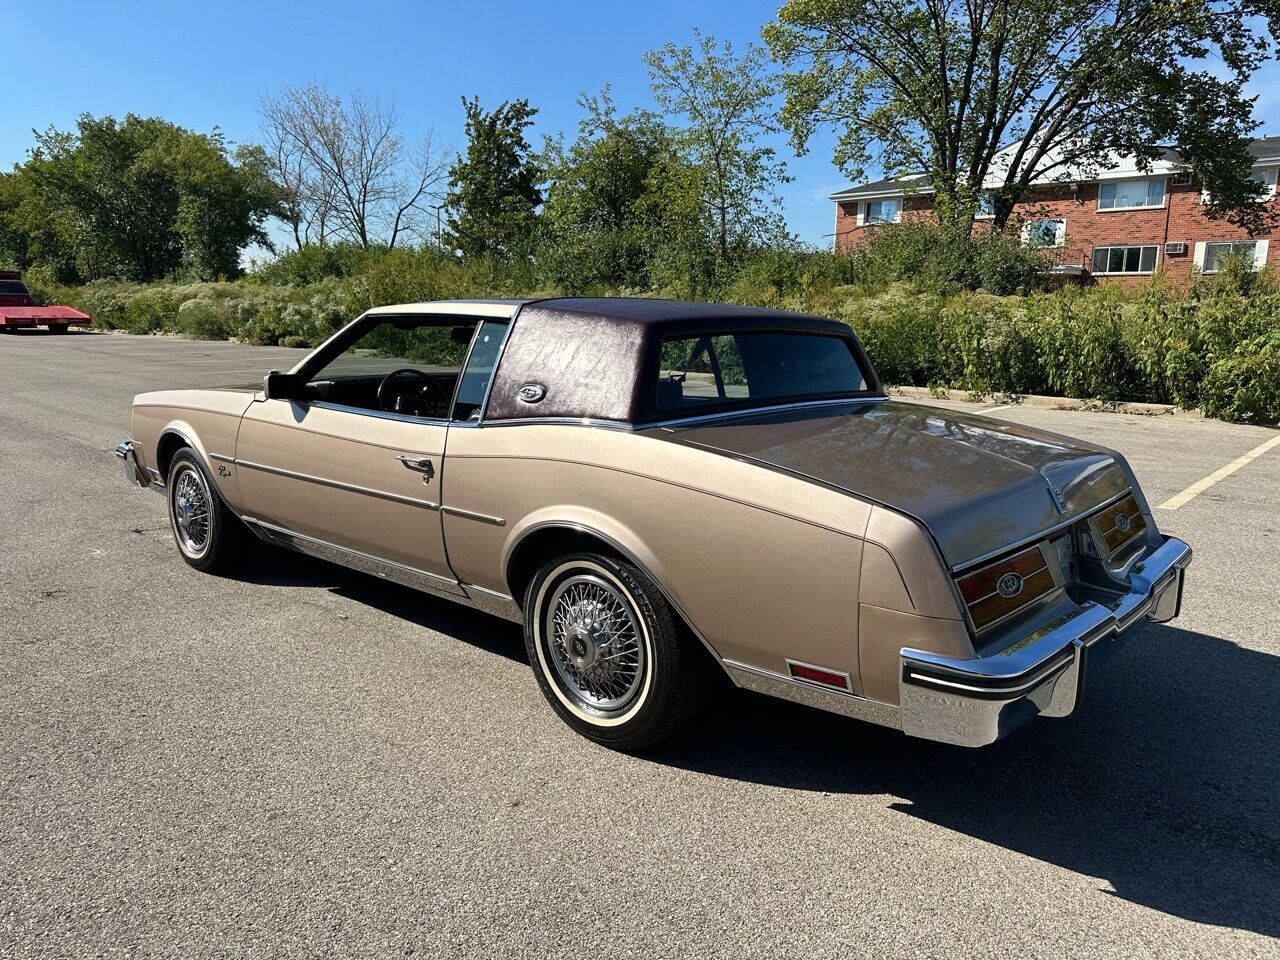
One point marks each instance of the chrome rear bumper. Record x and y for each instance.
(976, 702)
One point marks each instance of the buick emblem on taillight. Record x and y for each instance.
(1010, 585)
(1123, 523)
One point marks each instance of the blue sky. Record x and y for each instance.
(206, 64)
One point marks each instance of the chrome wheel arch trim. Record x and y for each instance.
(184, 433)
(573, 526)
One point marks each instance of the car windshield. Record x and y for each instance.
(730, 370)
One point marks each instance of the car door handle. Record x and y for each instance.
(422, 465)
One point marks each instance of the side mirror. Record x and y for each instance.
(282, 386)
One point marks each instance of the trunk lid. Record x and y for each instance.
(978, 485)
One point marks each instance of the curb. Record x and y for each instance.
(1048, 403)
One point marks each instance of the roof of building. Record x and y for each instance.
(1263, 149)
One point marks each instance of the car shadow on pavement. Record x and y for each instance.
(272, 566)
(1165, 784)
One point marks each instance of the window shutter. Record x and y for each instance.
(1260, 254)
(1198, 259)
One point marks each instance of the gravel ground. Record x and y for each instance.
(305, 761)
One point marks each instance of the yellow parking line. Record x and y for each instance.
(1200, 486)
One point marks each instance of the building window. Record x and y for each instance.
(1124, 259)
(1044, 233)
(1216, 254)
(986, 205)
(1131, 194)
(883, 211)
(1266, 178)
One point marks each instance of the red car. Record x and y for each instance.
(18, 309)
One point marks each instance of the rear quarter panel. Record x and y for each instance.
(765, 565)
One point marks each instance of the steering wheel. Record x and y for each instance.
(395, 403)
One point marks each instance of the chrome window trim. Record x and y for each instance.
(558, 421)
(497, 365)
(753, 411)
(368, 412)
(664, 424)
(337, 484)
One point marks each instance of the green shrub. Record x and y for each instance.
(314, 263)
(1213, 344)
(948, 260)
(1245, 386)
(207, 318)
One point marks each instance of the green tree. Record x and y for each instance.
(139, 200)
(943, 87)
(493, 190)
(610, 197)
(727, 105)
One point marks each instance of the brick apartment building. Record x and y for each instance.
(1120, 225)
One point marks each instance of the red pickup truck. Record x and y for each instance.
(18, 309)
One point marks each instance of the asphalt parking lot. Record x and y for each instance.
(306, 761)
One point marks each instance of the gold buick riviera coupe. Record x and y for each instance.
(657, 490)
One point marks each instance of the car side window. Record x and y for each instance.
(479, 370)
(735, 369)
(401, 366)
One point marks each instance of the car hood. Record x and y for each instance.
(977, 484)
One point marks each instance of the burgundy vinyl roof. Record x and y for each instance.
(589, 354)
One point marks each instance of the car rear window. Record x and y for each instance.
(729, 370)
(14, 288)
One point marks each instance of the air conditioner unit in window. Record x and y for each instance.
(1175, 249)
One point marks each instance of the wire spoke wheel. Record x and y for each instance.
(190, 505)
(595, 643)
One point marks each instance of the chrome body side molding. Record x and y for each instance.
(811, 694)
(487, 601)
(325, 482)
(472, 515)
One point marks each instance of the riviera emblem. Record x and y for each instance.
(1059, 500)
(531, 392)
(1010, 585)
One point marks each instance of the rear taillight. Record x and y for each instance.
(1119, 525)
(1005, 586)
